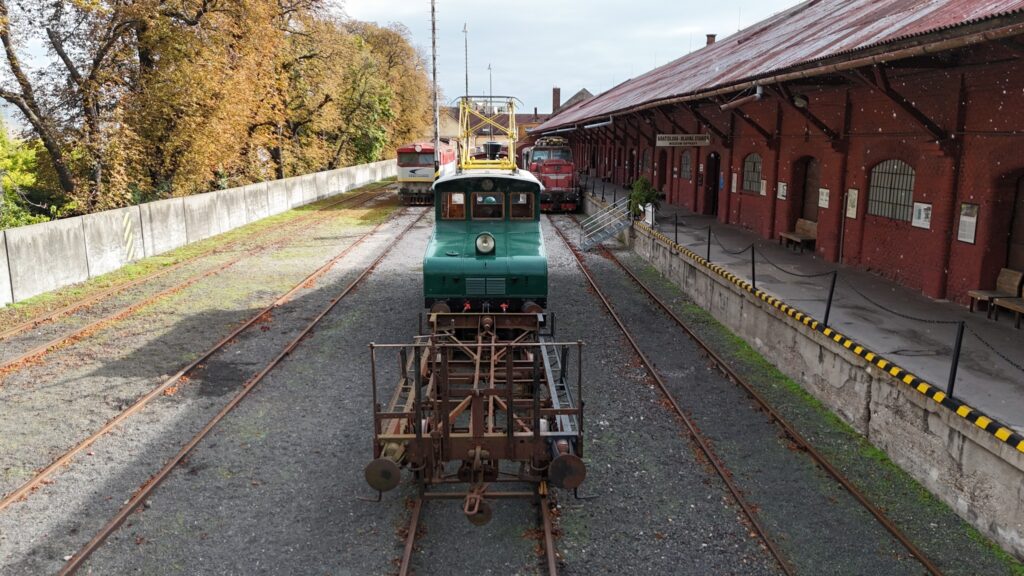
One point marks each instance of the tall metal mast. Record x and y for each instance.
(465, 33)
(437, 111)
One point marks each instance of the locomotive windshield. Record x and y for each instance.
(416, 159)
(454, 206)
(521, 206)
(488, 206)
(552, 154)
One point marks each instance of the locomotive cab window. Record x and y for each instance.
(488, 206)
(414, 159)
(454, 207)
(521, 206)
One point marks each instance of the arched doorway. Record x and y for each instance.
(662, 165)
(711, 188)
(1015, 241)
(806, 181)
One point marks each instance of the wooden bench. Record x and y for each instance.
(806, 233)
(1015, 305)
(1007, 286)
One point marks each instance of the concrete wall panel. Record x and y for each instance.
(163, 223)
(277, 197)
(323, 185)
(294, 187)
(6, 297)
(35, 251)
(257, 204)
(201, 218)
(231, 208)
(308, 184)
(113, 238)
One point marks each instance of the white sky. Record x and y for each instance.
(534, 45)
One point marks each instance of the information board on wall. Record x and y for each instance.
(851, 203)
(968, 223)
(684, 140)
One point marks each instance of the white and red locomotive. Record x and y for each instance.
(416, 172)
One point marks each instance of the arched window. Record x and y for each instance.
(752, 173)
(686, 166)
(891, 190)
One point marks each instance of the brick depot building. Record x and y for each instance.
(896, 125)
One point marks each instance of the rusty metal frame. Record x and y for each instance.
(818, 123)
(726, 139)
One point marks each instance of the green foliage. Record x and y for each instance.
(19, 167)
(642, 195)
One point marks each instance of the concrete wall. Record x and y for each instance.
(971, 470)
(164, 225)
(112, 239)
(43, 257)
(6, 297)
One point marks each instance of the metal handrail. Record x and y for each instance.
(610, 210)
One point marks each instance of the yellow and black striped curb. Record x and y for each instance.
(972, 415)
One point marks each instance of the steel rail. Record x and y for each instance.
(87, 302)
(42, 349)
(690, 425)
(64, 459)
(144, 491)
(546, 522)
(782, 422)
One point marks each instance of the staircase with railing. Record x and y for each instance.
(608, 222)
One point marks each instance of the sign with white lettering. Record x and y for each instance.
(684, 140)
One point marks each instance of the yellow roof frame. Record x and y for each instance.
(484, 109)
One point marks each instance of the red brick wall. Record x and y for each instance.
(984, 171)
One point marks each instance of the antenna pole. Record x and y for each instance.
(465, 33)
(437, 112)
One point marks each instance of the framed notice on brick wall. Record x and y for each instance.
(922, 215)
(783, 189)
(968, 223)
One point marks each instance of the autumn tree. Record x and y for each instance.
(143, 99)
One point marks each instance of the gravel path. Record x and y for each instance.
(274, 489)
(817, 524)
(953, 544)
(92, 381)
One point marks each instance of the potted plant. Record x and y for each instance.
(642, 195)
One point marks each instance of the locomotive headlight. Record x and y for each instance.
(485, 243)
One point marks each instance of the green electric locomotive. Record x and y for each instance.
(487, 252)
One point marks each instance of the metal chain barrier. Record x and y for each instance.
(988, 345)
(797, 274)
(900, 314)
(726, 250)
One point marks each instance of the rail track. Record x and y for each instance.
(545, 523)
(703, 442)
(317, 213)
(34, 353)
(143, 492)
(42, 475)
